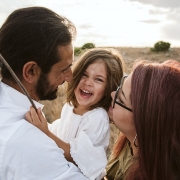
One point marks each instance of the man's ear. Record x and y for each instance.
(31, 71)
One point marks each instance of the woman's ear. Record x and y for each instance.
(31, 71)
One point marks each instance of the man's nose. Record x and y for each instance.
(68, 76)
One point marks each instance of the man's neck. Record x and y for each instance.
(15, 85)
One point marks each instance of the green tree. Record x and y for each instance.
(161, 46)
(88, 46)
(77, 51)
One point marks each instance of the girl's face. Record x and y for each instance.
(91, 87)
(120, 116)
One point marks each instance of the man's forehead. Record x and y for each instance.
(66, 56)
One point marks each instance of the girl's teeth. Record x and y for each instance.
(86, 91)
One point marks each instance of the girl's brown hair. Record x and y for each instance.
(114, 66)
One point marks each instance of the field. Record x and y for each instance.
(52, 109)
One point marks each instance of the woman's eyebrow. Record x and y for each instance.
(123, 94)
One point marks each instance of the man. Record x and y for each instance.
(37, 44)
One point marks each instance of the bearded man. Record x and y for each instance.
(37, 44)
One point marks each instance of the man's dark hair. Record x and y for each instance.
(33, 34)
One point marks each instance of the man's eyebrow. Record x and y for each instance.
(66, 67)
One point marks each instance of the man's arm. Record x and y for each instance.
(31, 154)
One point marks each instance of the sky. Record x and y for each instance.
(118, 23)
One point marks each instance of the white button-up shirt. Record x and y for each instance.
(26, 153)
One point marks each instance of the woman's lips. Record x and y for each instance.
(110, 109)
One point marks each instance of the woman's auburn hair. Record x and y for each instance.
(155, 96)
(114, 65)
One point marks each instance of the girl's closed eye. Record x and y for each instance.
(84, 75)
(99, 79)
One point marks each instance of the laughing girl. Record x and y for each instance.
(83, 129)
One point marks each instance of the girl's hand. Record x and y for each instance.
(37, 119)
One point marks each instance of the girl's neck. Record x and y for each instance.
(80, 110)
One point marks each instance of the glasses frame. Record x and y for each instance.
(116, 95)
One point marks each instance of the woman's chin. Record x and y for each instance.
(110, 117)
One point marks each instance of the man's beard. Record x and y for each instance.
(44, 90)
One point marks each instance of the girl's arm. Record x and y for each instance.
(38, 120)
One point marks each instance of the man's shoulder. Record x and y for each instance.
(30, 135)
(30, 153)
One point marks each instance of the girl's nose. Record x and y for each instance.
(88, 82)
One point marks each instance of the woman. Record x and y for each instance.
(146, 109)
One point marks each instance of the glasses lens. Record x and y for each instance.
(117, 91)
(115, 97)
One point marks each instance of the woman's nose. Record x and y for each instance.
(113, 94)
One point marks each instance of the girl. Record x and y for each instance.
(83, 130)
(146, 110)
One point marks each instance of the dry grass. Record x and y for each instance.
(53, 108)
(132, 54)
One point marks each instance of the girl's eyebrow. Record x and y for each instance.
(97, 75)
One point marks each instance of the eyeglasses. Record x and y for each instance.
(116, 95)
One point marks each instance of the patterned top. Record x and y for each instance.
(88, 136)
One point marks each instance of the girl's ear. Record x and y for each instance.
(31, 71)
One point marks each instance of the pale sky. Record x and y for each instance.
(127, 23)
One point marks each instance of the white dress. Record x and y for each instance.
(88, 136)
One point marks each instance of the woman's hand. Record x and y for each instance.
(37, 119)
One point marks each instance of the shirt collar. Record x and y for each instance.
(12, 95)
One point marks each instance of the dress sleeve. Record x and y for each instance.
(54, 127)
(88, 149)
